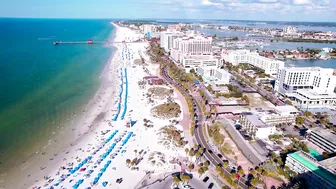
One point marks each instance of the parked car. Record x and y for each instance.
(206, 179)
(210, 185)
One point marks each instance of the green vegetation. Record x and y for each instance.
(234, 92)
(167, 110)
(181, 77)
(160, 92)
(171, 135)
(289, 102)
(299, 120)
(214, 132)
(307, 114)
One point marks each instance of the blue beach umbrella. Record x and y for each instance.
(104, 184)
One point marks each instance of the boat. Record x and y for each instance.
(56, 42)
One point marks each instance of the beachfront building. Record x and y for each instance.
(317, 174)
(148, 28)
(256, 128)
(322, 138)
(199, 45)
(235, 57)
(167, 39)
(214, 75)
(195, 61)
(308, 87)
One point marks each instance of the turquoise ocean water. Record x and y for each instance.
(41, 85)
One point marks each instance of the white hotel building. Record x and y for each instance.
(309, 87)
(213, 74)
(198, 45)
(195, 61)
(235, 57)
(167, 39)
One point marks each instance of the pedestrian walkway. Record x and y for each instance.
(185, 122)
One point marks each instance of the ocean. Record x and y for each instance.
(42, 86)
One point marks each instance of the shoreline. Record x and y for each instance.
(99, 158)
(64, 140)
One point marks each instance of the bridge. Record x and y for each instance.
(93, 42)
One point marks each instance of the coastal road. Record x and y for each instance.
(199, 135)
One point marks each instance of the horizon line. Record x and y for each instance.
(205, 19)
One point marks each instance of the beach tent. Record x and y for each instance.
(104, 184)
(96, 180)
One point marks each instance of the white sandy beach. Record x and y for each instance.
(97, 155)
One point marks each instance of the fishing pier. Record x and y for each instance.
(92, 42)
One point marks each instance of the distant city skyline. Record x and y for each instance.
(263, 10)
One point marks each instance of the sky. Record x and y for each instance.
(265, 10)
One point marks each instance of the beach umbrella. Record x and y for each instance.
(109, 161)
(100, 174)
(80, 181)
(75, 186)
(104, 184)
(96, 179)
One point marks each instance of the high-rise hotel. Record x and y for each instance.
(309, 87)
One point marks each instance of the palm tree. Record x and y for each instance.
(218, 168)
(135, 151)
(185, 178)
(176, 181)
(128, 161)
(225, 164)
(198, 155)
(200, 171)
(206, 164)
(186, 150)
(191, 166)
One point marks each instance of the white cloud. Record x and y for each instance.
(301, 2)
(268, 1)
(209, 3)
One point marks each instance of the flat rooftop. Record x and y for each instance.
(314, 167)
(311, 94)
(286, 108)
(325, 134)
(232, 109)
(302, 69)
(254, 119)
(330, 164)
(200, 57)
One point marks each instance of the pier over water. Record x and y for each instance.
(92, 42)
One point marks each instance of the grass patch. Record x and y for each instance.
(160, 92)
(166, 111)
(170, 135)
(275, 176)
(215, 134)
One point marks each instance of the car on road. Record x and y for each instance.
(220, 155)
(210, 185)
(206, 179)
(210, 151)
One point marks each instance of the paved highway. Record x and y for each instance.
(199, 136)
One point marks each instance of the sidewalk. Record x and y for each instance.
(185, 122)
